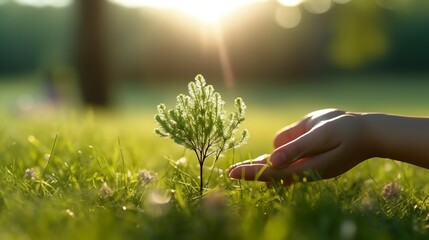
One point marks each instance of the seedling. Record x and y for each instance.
(199, 122)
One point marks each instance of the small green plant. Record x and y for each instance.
(199, 122)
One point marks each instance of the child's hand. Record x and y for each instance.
(324, 144)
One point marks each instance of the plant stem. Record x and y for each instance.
(201, 178)
(50, 156)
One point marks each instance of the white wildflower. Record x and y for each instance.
(70, 212)
(145, 176)
(391, 191)
(30, 174)
(105, 191)
(181, 161)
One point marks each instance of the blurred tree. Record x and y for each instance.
(92, 57)
(360, 35)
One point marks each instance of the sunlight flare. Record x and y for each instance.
(203, 10)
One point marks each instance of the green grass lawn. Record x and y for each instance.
(76, 174)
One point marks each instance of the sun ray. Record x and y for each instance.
(204, 10)
(223, 55)
(208, 12)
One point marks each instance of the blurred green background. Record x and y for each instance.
(108, 53)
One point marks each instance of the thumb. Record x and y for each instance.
(316, 141)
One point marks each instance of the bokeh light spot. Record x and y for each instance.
(288, 17)
(159, 197)
(392, 4)
(341, 1)
(25, 103)
(317, 6)
(348, 229)
(290, 3)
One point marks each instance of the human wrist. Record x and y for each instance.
(372, 143)
(401, 138)
(384, 136)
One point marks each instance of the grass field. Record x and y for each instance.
(78, 174)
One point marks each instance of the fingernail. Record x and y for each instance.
(233, 174)
(262, 157)
(231, 168)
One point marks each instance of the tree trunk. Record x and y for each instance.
(201, 179)
(92, 56)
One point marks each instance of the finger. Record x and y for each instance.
(325, 114)
(263, 159)
(295, 130)
(268, 174)
(255, 172)
(312, 169)
(316, 141)
(318, 167)
(289, 133)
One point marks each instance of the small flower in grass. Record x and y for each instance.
(145, 176)
(181, 161)
(391, 191)
(70, 212)
(30, 174)
(105, 191)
